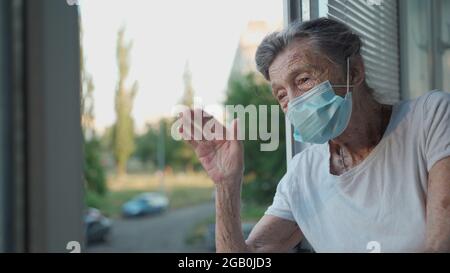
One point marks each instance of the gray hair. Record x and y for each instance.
(333, 38)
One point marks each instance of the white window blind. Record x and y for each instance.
(376, 21)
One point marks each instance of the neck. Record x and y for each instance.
(366, 128)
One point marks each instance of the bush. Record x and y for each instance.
(93, 200)
(94, 173)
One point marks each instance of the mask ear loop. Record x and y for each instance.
(348, 75)
(348, 78)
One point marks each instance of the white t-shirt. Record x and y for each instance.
(383, 199)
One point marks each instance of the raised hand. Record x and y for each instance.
(221, 156)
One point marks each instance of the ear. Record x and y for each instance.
(357, 70)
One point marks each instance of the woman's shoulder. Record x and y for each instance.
(431, 99)
(420, 109)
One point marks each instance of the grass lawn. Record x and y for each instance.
(182, 190)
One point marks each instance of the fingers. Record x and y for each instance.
(198, 126)
(187, 137)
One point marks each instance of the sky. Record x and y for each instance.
(166, 35)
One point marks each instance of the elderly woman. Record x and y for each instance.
(376, 173)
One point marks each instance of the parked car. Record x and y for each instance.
(145, 203)
(98, 227)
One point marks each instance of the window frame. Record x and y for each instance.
(435, 60)
(298, 10)
(54, 191)
(5, 136)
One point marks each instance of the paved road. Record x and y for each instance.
(163, 233)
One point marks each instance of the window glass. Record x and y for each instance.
(3, 90)
(193, 53)
(415, 41)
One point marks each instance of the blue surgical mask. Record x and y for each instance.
(320, 115)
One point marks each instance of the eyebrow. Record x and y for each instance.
(295, 70)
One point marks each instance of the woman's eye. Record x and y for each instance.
(302, 81)
(281, 95)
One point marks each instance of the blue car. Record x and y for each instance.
(144, 204)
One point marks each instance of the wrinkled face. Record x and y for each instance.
(298, 68)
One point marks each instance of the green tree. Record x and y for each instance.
(123, 136)
(87, 95)
(188, 96)
(146, 146)
(94, 174)
(178, 154)
(263, 170)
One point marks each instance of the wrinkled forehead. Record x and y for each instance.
(300, 56)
